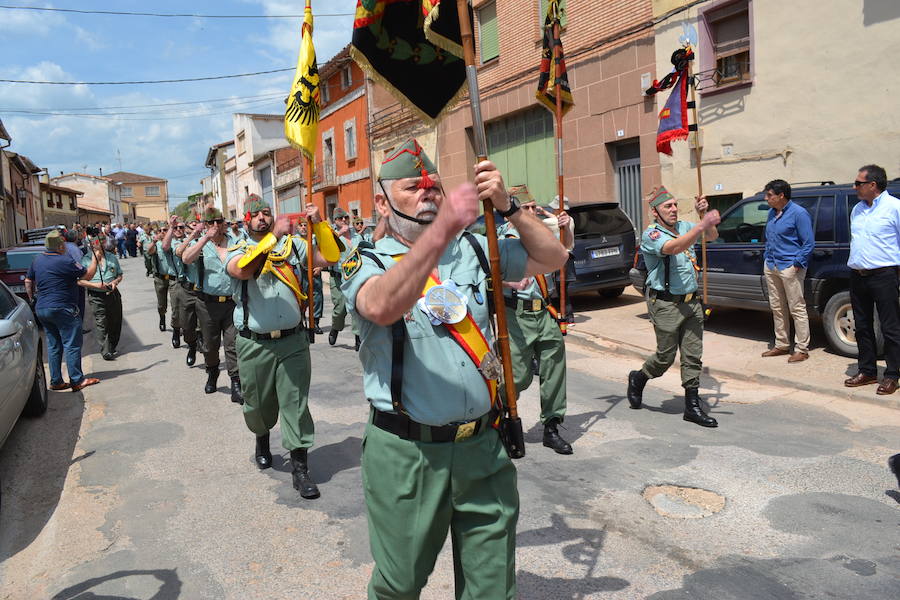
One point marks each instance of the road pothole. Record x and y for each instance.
(679, 502)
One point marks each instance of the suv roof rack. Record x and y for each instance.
(812, 183)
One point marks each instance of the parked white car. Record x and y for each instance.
(23, 385)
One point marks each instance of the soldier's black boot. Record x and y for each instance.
(191, 357)
(553, 440)
(318, 329)
(636, 382)
(263, 454)
(212, 376)
(693, 412)
(236, 395)
(300, 474)
(176, 337)
(357, 343)
(332, 337)
(162, 321)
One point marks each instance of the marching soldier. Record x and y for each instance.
(361, 230)
(431, 459)
(272, 345)
(164, 277)
(318, 296)
(143, 243)
(104, 298)
(534, 334)
(349, 239)
(215, 306)
(672, 301)
(189, 284)
(176, 295)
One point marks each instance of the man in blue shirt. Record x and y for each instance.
(119, 232)
(53, 278)
(874, 264)
(789, 242)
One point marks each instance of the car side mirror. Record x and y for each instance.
(8, 328)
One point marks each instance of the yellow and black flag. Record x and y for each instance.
(414, 49)
(553, 78)
(301, 117)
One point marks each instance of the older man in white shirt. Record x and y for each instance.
(875, 277)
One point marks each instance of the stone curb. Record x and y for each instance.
(604, 344)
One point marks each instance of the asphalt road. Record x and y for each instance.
(144, 488)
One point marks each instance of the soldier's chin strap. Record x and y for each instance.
(422, 185)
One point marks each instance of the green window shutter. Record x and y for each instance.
(564, 19)
(487, 27)
(522, 147)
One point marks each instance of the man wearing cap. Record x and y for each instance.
(272, 345)
(103, 294)
(170, 241)
(534, 334)
(163, 275)
(672, 301)
(318, 296)
(431, 459)
(361, 229)
(349, 240)
(188, 286)
(215, 306)
(53, 277)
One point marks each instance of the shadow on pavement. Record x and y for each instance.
(168, 586)
(581, 547)
(325, 461)
(573, 428)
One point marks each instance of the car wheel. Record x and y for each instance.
(840, 328)
(37, 400)
(612, 293)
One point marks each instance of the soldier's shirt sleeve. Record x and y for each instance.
(513, 259)
(356, 270)
(117, 267)
(653, 241)
(236, 252)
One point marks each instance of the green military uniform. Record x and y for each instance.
(318, 296)
(534, 333)
(185, 291)
(676, 313)
(165, 275)
(416, 488)
(215, 309)
(143, 243)
(106, 305)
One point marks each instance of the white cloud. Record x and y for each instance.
(88, 39)
(29, 22)
(20, 95)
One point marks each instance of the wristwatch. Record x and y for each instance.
(513, 208)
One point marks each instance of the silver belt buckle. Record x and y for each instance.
(275, 334)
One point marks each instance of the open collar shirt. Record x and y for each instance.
(875, 233)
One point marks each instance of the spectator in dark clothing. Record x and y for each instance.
(131, 240)
(53, 278)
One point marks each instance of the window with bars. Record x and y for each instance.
(729, 29)
(488, 35)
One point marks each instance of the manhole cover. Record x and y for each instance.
(683, 502)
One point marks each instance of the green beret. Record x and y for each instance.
(211, 213)
(339, 213)
(54, 241)
(409, 160)
(661, 196)
(255, 204)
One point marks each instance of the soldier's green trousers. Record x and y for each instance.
(175, 303)
(187, 314)
(275, 379)
(217, 326)
(107, 309)
(318, 296)
(148, 264)
(536, 334)
(678, 326)
(416, 491)
(162, 296)
(339, 305)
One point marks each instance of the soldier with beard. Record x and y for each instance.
(431, 460)
(672, 301)
(272, 345)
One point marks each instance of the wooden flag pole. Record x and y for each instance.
(560, 185)
(515, 439)
(310, 298)
(697, 158)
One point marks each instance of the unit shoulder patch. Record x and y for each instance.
(654, 234)
(242, 244)
(351, 264)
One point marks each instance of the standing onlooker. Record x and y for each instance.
(54, 276)
(789, 242)
(874, 278)
(75, 252)
(106, 302)
(131, 240)
(119, 232)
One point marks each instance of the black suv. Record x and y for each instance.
(604, 247)
(736, 259)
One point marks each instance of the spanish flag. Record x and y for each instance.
(553, 79)
(301, 117)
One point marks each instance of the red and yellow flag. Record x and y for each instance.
(553, 79)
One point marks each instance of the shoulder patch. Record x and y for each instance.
(242, 244)
(351, 264)
(654, 234)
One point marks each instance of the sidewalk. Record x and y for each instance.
(732, 343)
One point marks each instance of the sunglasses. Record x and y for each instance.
(859, 183)
(179, 227)
(216, 221)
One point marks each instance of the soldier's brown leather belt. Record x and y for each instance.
(272, 335)
(670, 297)
(406, 429)
(163, 277)
(527, 305)
(212, 298)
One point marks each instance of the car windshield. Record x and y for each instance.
(15, 261)
(594, 222)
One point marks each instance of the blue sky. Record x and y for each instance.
(169, 141)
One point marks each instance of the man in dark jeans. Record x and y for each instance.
(54, 276)
(874, 278)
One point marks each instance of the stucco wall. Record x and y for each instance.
(822, 102)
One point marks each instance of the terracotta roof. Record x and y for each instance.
(126, 177)
(81, 175)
